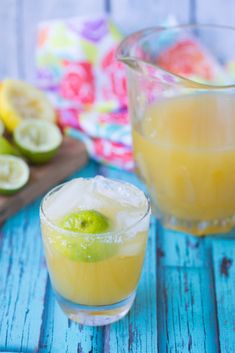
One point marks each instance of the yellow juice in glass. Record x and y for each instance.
(95, 275)
(185, 151)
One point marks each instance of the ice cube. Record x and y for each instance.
(96, 193)
(132, 248)
(76, 194)
(133, 221)
(123, 194)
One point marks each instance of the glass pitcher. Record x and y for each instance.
(182, 106)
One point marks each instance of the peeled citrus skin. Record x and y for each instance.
(20, 100)
(89, 247)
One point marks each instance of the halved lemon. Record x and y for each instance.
(38, 140)
(1, 128)
(20, 100)
(14, 174)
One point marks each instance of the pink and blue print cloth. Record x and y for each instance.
(76, 66)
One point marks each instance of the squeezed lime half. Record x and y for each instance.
(14, 174)
(38, 140)
(93, 246)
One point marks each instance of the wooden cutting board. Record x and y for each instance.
(71, 156)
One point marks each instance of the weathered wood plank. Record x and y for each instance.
(70, 158)
(134, 15)
(59, 334)
(8, 39)
(62, 335)
(224, 266)
(186, 314)
(217, 12)
(32, 12)
(186, 307)
(180, 249)
(137, 332)
(22, 281)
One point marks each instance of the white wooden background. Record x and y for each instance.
(19, 19)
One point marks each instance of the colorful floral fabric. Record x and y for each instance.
(76, 66)
(195, 62)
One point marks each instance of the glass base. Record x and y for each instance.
(197, 227)
(95, 315)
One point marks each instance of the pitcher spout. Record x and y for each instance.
(178, 53)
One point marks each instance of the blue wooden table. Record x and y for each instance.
(185, 301)
(186, 297)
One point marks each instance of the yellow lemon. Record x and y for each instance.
(20, 100)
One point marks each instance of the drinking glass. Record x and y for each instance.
(181, 88)
(94, 276)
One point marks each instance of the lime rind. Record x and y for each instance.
(87, 248)
(84, 248)
(7, 148)
(14, 174)
(2, 128)
(38, 140)
(86, 221)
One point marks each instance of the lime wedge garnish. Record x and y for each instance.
(88, 248)
(86, 221)
(38, 140)
(7, 148)
(14, 174)
(1, 128)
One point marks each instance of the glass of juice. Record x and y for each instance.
(181, 87)
(94, 235)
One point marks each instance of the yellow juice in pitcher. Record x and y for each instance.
(185, 151)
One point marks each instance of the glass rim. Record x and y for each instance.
(97, 235)
(130, 60)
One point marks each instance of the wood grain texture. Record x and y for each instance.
(8, 39)
(32, 12)
(131, 15)
(186, 308)
(70, 158)
(62, 335)
(217, 12)
(224, 267)
(137, 332)
(58, 334)
(23, 279)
